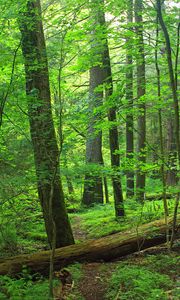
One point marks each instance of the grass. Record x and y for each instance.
(100, 221)
(27, 234)
(150, 277)
(134, 282)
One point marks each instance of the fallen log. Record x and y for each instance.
(160, 196)
(106, 249)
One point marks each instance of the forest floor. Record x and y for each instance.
(152, 274)
(96, 280)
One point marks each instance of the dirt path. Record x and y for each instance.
(93, 285)
(79, 233)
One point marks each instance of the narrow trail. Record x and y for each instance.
(79, 233)
(93, 285)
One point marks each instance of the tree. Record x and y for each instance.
(45, 147)
(141, 91)
(163, 177)
(129, 99)
(93, 186)
(113, 130)
(173, 83)
(171, 76)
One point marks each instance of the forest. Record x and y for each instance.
(89, 149)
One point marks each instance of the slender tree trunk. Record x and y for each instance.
(171, 152)
(141, 90)
(58, 101)
(171, 77)
(173, 82)
(46, 152)
(113, 140)
(106, 190)
(68, 179)
(129, 99)
(113, 130)
(69, 185)
(163, 174)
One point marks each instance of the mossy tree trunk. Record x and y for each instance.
(45, 147)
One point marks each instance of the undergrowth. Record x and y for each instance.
(100, 221)
(149, 278)
(36, 288)
(26, 233)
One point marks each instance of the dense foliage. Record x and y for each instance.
(89, 113)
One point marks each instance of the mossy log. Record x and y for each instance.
(159, 196)
(106, 249)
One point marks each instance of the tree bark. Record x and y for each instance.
(163, 177)
(45, 147)
(93, 186)
(173, 82)
(106, 190)
(113, 130)
(129, 99)
(171, 77)
(106, 249)
(141, 91)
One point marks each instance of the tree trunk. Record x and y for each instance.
(113, 130)
(93, 186)
(163, 177)
(171, 153)
(68, 178)
(107, 248)
(115, 163)
(172, 78)
(45, 147)
(106, 190)
(141, 85)
(173, 83)
(129, 99)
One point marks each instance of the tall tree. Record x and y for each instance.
(172, 76)
(163, 177)
(141, 90)
(129, 99)
(173, 83)
(93, 186)
(113, 130)
(45, 147)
